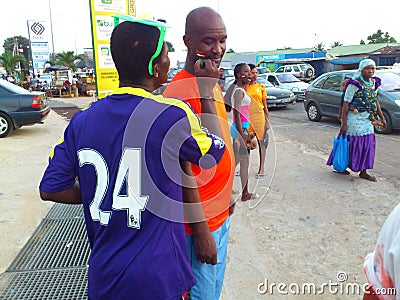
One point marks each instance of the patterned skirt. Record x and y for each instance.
(362, 140)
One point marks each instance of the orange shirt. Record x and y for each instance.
(257, 93)
(215, 184)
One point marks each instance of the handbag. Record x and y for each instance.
(340, 153)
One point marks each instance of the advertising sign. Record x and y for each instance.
(38, 39)
(102, 22)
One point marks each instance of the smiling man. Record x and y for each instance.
(205, 39)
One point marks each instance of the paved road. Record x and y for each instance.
(318, 136)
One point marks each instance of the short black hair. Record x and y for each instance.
(132, 45)
(252, 66)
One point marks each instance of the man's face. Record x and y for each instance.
(210, 39)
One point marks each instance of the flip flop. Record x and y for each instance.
(258, 176)
(368, 177)
(237, 173)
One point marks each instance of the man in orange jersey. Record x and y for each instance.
(205, 38)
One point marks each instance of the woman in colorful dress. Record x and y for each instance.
(259, 116)
(360, 98)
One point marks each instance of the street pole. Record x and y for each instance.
(51, 27)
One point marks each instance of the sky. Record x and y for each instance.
(252, 25)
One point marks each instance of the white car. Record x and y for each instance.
(304, 72)
(287, 81)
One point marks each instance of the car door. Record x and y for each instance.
(330, 94)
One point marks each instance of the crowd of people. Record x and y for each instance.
(155, 172)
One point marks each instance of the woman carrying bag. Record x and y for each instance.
(360, 96)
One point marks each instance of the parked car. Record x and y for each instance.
(263, 70)
(323, 97)
(276, 97)
(20, 107)
(302, 71)
(287, 81)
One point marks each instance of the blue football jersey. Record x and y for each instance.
(125, 151)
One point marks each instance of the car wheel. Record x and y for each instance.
(389, 126)
(313, 112)
(309, 73)
(6, 125)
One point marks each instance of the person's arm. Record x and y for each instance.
(207, 78)
(204, 243)
(380, 114)
(345, 111)
(70, 196)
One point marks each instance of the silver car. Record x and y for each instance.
(287, 81)
(322, 98)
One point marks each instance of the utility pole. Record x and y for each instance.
(52, 38)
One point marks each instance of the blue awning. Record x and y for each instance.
(346, 61)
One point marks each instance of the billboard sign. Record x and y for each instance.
(102, 23)
(38, 40)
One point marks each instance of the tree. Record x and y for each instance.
(336, 44)
(67, 59)
(320, 47)
(380, 37)
(17, 44)
(362, 42)
(10, 61)
(230, 50)
(170, 47)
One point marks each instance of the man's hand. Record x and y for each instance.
(207, 77)
(206, 250)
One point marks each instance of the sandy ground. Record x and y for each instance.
(310, 226)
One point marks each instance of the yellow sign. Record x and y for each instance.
(101, 12)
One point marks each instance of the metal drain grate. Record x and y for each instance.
(70, 284)
(52, 264)
(65, 211)
(54, 244)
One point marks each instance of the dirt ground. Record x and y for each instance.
(310, 225)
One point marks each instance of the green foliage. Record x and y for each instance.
(380, 37)
(170, 47)
(362, 42)
(10, 61)
(320, 47)
(67, 59)
(12, 44)
(336, 44)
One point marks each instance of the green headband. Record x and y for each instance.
(161, 26)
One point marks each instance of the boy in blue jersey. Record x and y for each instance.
(126, 158)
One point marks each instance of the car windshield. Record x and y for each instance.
(12, 87)
(266, 83)
(390, 81)
(287, 78)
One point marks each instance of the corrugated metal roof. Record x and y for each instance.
(358, 49)
(286, 51)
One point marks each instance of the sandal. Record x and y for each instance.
(250, 197)
(368, 177)
(259, 176)
(345, 172)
